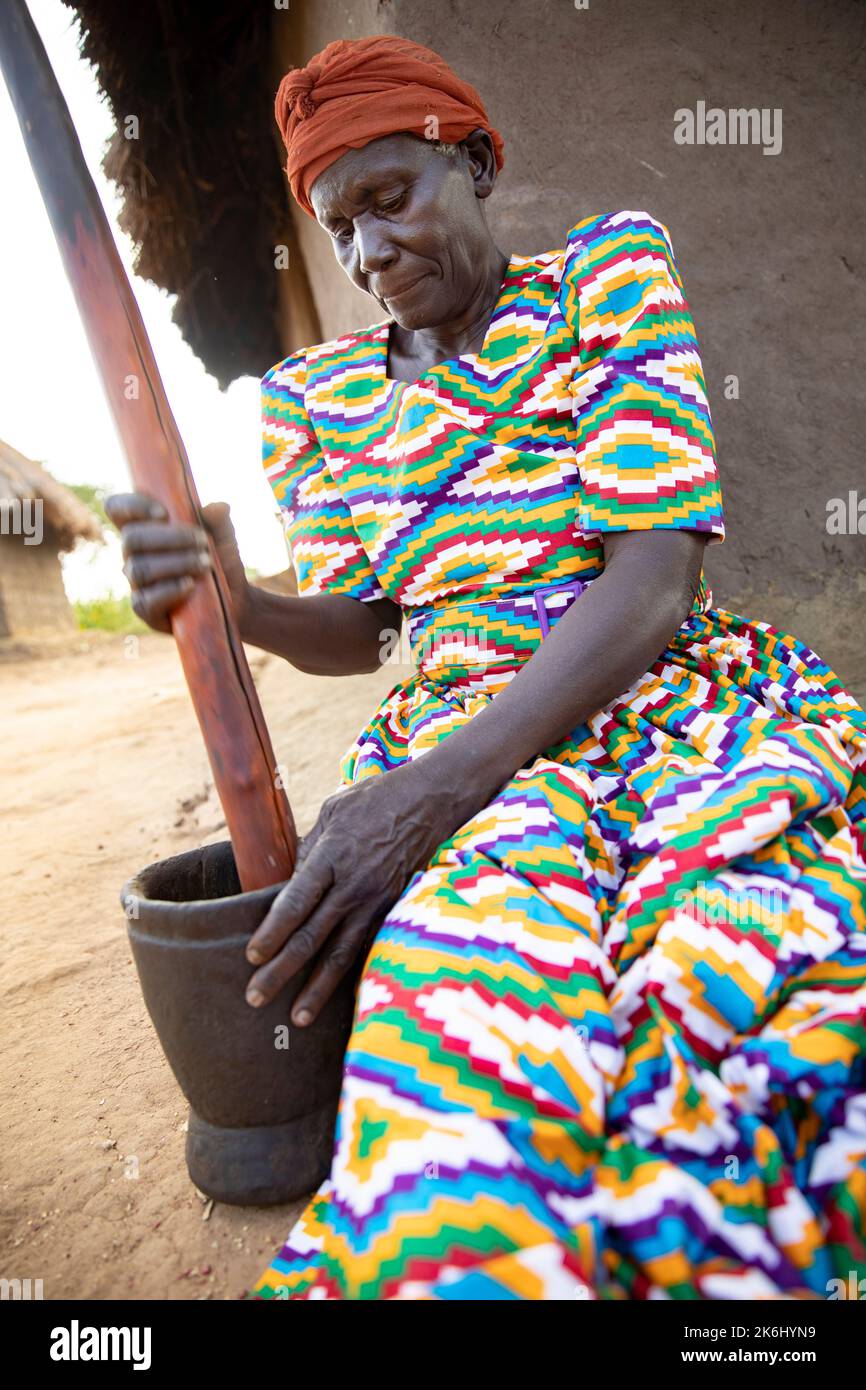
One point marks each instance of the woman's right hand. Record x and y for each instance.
(164, 560)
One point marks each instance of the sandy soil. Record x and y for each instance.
(105, 771)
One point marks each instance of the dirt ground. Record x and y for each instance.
(104, 772)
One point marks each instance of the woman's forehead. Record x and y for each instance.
(359, 172)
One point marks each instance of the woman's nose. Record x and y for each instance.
(374, 250)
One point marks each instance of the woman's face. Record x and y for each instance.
(406, 224)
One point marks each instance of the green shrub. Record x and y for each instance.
(108, 615)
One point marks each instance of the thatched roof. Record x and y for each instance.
(204, 199)
(68, 518)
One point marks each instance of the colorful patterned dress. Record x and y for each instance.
(609, 1043)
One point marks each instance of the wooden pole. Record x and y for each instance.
(257, 812)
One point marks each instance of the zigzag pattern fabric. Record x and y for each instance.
(610, 1041)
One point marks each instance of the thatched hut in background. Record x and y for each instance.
(32, 597)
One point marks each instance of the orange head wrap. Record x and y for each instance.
(357, 90)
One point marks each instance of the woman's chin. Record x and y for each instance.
(413, 316)
(407, 318)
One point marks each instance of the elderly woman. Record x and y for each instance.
(609, 1031)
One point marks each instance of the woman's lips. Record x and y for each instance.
(399, 293)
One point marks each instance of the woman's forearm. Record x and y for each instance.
(323, 634)
(609, 637)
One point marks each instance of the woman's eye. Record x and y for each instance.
(385, 207)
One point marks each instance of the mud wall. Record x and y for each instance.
(32, 597)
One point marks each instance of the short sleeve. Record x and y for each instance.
(326, 550)
(645, 446)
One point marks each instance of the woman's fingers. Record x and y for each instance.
(337, 957)
(217, 518)
(142, 571)
(146, 537)
(301, 918)
(300, 948)
(290, 908)
(155, 603)
(162, 560)
(145, 527)
(125, 507)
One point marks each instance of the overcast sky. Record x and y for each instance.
(51, 402)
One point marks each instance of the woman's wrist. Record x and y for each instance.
(269, 620)
(248, 610)
(458, 778)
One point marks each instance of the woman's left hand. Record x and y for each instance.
(352, 867)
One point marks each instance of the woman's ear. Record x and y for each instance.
(482, 161)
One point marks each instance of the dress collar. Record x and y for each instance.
(518, 272)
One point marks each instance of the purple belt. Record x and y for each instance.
(541, 595)
(536, 599)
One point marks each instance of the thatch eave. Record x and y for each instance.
(22, 479)
(203, 197)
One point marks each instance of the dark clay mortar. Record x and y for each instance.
(262, 1113)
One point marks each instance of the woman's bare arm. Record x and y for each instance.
(326, 634)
